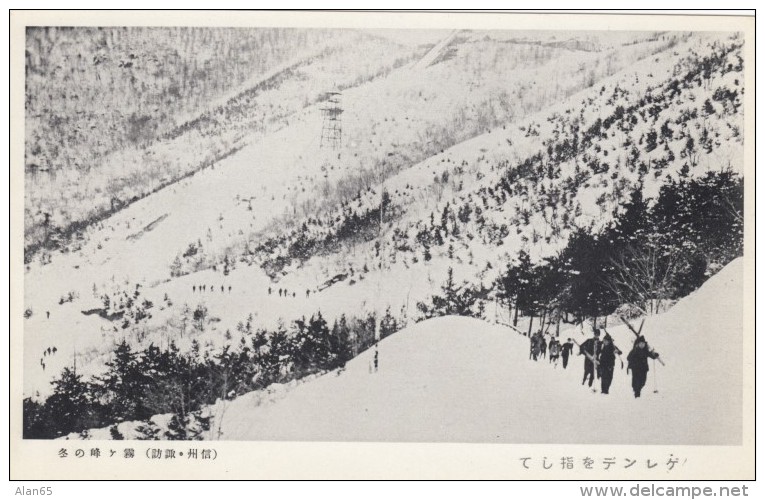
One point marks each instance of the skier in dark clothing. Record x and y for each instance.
(534, 347)
(565, 352)
(637, 361)
(591, 349)
(542, 345)
(606, 362)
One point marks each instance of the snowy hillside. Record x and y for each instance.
(460, 379)
(208, 276)
(529, 183)
(463, 380)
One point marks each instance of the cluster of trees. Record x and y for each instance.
(356, 222)
(129, 309)
(653, 252)
(460, 300)
(140, 384)
(194, 258)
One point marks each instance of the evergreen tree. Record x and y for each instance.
(343, 338)
(72, 406)
(125, 386)
(586, 261)
(515, 282)
(388, 324)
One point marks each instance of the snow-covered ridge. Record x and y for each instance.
(460, 379)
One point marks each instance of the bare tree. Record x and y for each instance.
(644, 276)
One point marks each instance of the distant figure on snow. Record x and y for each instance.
(293, 295)
(269, 290)
(307, 293)
(606, 362)
(542, 345)
(47, 314)
(54, 349)
(637, 361)
(591, 349)
(229, 289)
(565, 352)
(193, 288)
(222, 289)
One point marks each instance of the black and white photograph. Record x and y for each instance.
(272, 232)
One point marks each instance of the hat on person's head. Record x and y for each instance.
(640, 339)
(596, 332)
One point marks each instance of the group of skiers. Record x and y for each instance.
(203, 288)
(540, 347)
(599, 357)
(47, 352)
(283, 292)
(600, 360)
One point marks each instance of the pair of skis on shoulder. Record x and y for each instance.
(637, 334)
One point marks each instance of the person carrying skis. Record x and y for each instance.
(565, 352)
(554, 350)
(534, 347)
(542, 344)
(637, 361)
(606, 362)
(591, 349)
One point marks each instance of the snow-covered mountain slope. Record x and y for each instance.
(278, 181)
(463, 380)
(571, 165)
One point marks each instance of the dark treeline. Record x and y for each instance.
(654, 251)
(140, 384)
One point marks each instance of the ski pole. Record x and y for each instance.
(655, 387)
